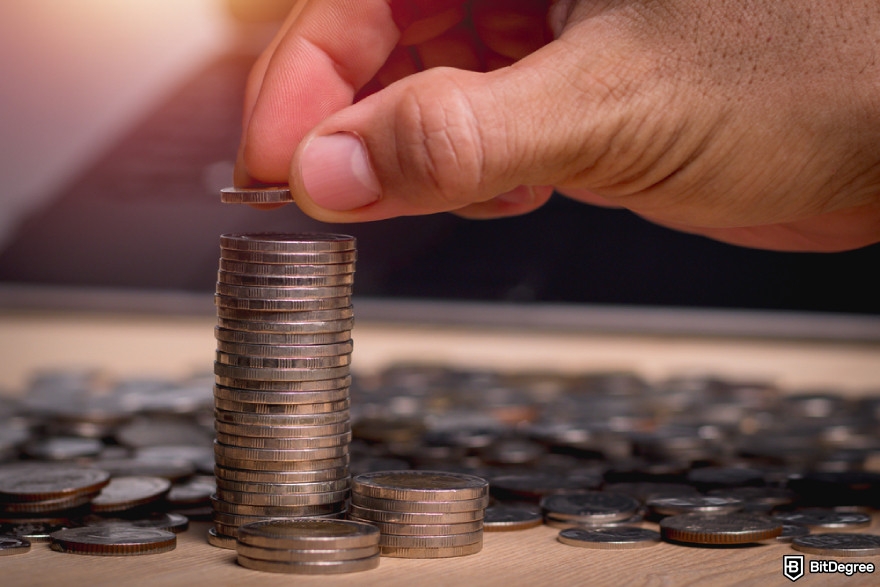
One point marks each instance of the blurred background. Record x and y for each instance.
(119, 123)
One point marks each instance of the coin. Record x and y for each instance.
(281, 489)
(113, 540)
(33, 530)
(247, 396)
(431, 541)
(719, 529)
(247, 476)
(10, 545)
(286, 316)
(249, 409)
(282, 500)
(394, 529)
(172, 522)
(839, 544)
(310, 568)
(304, 556)
(220, 540)
(706, 504)
(261, 195)
(276, 375)
(285, 443)
(286, 351)
(222, 301)
(399, 505)
(282, 466)
(446, 552)
(281, 293)
(825, 519)
(504, 518)
(790, 532)
(367, 514)
(125, 493)
(50, 483)
(283, 386)
(243, 513)
(609, 538)
(420, 485)
(285, 280)
(281, 338)
(592, 506)
(293, 270)
(276, 454)
(282, 363)
(309, 534)
(289, 258)
(288, 242)
(340, 414)
(276, 431)
(291, 328)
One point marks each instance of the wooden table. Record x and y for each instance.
(125, 345)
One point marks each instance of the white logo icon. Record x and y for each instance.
(793, 566)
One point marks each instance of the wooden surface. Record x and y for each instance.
(150, 345)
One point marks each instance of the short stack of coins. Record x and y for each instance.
(422, 514)
(308, 546)
(281, 394)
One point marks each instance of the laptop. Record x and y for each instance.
(137, 229)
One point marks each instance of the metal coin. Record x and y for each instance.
(420, 485)
(824, 519)
(287, 258)
(113, 540)
(397, 505)
(310, 568)
(337, 412)
(172, 522)
(284, 386)
(275, 431)
(706, 504)
(292, 270)
(316, 327)
(285, 280)
(588, 524)
(246, 396)
(246, 476)
(10, 545)
(839, 544)
(242, 453)
(125, 493)
(288, 499)
(609, 538)
(48, 483)
(504, 518)
(283, 488)
(238, 514)
(304, 556)
(192, 492)
(594, 506)
(447, 552)
(312, 304)
(282, 293)
(276, 375)
(281, 409)
(362, 513)
(47, 505)
(286, 316)
(33, 530)
(282, 466)
(281, 339)
(220, 540)
(261, 195)
(309, 534)
(288, 242)
(790, 532)
(719, 529)
(437, 541)
(282, 363)
(286, 351)
(285, 443)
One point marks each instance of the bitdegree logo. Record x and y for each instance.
(832, 566)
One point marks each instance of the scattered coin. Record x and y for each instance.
(824, 519)
(704, 504)
(839, 544)
(609, 538)
(113, 540)
(592, 507)
(10, 545)
(125, 493)
(718, 529)
(790, 532)
(505, 518)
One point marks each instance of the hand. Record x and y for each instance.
(755, 123)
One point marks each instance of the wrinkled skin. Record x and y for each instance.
(751, 122)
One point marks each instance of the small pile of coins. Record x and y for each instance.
(34, 489)
(308, 546)
(422, 514)
(281, 394)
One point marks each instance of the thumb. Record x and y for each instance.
(447, 139)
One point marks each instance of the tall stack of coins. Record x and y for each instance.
(281, 393)
(422, 514)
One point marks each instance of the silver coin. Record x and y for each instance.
(282, 466)
(285, 281)
(49, 482)
(282, 409)
(33, 531)
(595, 506)
(586, 523)
(260, 195)
(275, 499)
(440, 552)
(281, 339)
(420, 485)
(839, 544)
(344, 325)
(285, 443)
(10, 545)
(306, 534)
(310, 568)
(707, 504)
(824, 519)
(264, 386)
(440, 541)
(304, 316)
(237, 514)
(220, 540)
(276, 375)
(288, 242)
(289, 258)
(222, 301)
(125, 493)
(299, 555)
(277, 454)
(503, 518)
(719, 529)
(282, 362)
(790, 532)
(281, 293)
(160, 520)
(275, 431)
(371, 515)
(609, 538)
(398, 505)
(286, 351)
(291, 270)
(333, 416)
(247, 396)
(113, 540)
(391, 528)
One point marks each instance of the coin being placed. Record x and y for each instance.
(420, 485)
(609, 538)
(261, 195)
(310, 568)
(835, 544)
(288, 242)
(309, 534)
(725, 529)
(704, 504)
(113, 540)
(10, 545)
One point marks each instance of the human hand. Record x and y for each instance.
(753, 123)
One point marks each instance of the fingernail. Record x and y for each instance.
(337, 174)
(519, 195)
